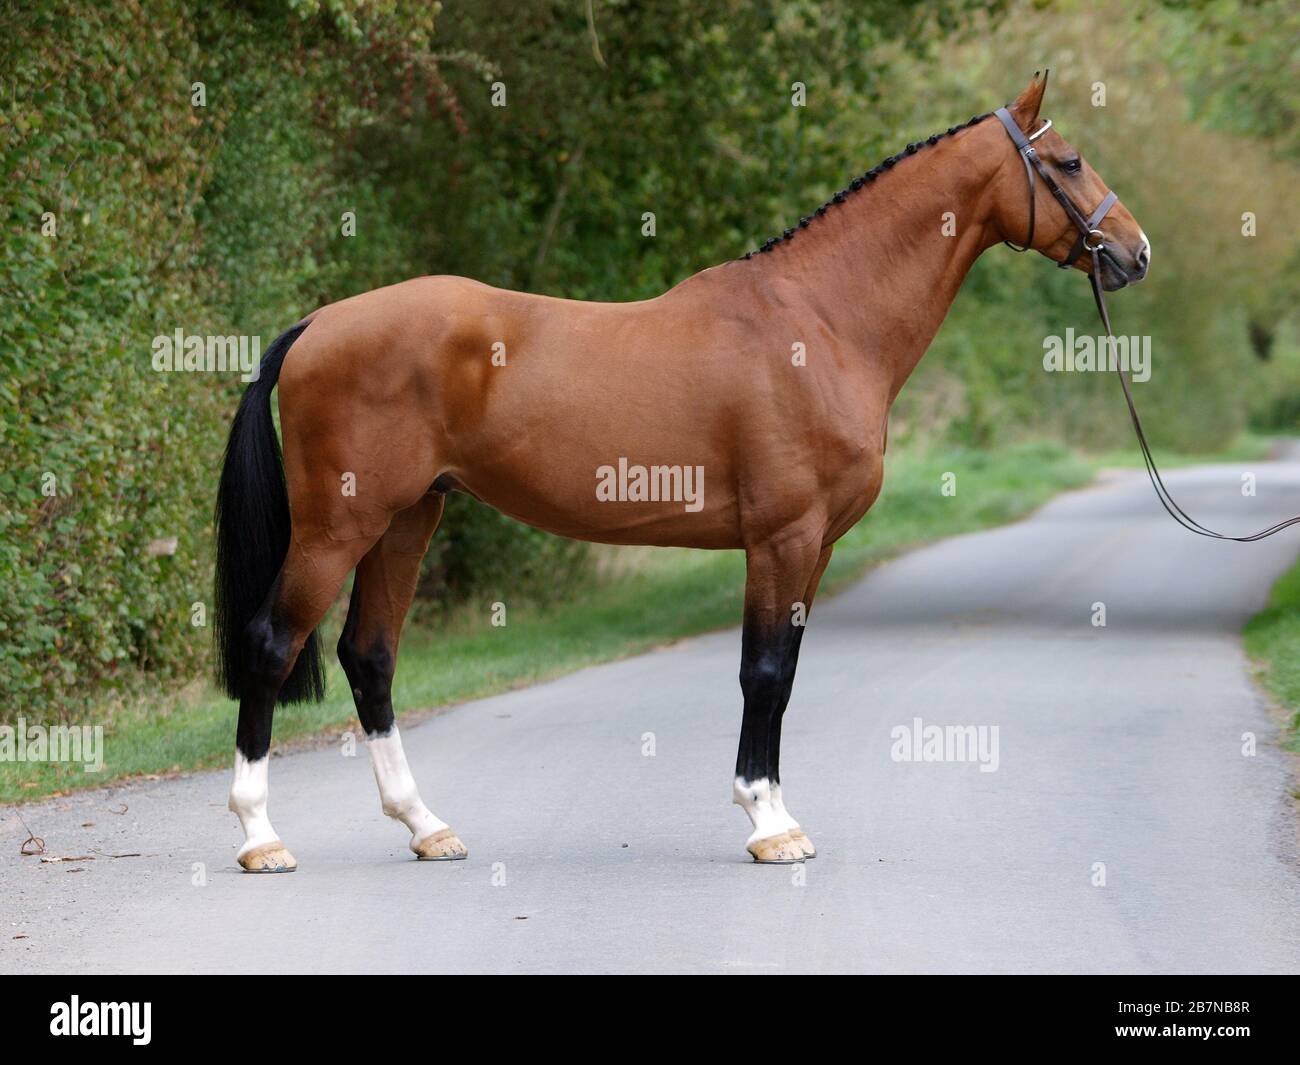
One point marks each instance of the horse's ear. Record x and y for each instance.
(1025, 109)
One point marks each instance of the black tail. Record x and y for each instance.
(252, 519)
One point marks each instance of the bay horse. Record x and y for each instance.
(770, 377)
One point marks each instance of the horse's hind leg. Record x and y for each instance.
(310, 578)
(381, 595)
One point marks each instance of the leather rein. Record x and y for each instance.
(1093, 241)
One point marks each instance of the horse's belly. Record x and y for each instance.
(619, 502)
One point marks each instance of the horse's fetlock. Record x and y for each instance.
(245, 797)
(401, 805)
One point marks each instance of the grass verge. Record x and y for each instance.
(1272, 639)
(641, 598)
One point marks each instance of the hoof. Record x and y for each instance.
(442, 846)
(801, 840)
(268, 858)
(776, 850)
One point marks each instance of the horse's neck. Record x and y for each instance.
(882, 269)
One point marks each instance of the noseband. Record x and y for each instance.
(1093, 241)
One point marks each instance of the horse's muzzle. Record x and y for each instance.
(1121, 267)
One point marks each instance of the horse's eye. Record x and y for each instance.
(1072, 166)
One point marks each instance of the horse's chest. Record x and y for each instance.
(854, 487)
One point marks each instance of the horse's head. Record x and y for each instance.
(1028, 209)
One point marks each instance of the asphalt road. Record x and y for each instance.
(1119, 745)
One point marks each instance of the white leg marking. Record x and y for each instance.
(778, 805)
(248, 802)
(397, 791)
(762, 801)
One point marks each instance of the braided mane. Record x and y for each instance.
(858, 182)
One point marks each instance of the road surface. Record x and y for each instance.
(1123, 830)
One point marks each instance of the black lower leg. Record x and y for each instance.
(272, 651)
(778, 708)
(369, 671)
(766, 675)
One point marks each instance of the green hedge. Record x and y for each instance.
(127, 450)
(130, 212)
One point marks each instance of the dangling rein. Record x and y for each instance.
(1092, 241)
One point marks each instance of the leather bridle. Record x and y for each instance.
(1093, 241)
(1086, 224)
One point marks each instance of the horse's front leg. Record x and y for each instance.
(781, 580)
